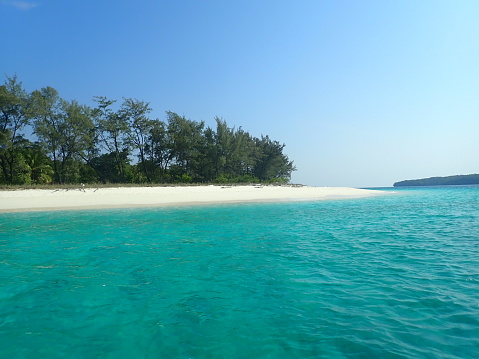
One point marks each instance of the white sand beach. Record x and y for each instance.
(123, 197)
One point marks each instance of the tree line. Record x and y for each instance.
(47, 139)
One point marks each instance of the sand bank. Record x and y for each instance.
(37, 200)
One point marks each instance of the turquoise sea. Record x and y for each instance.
(394, 276)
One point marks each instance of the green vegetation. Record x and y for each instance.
(74, 143)
(441, 181)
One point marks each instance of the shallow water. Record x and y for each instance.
(394, 276)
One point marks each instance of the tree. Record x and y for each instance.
(272, 164)
(235, 153)
(185, 138)
(66, 131)
(209, 159)
(158, 150)
(14, 117)
(246, 154)
(224, 140)
(76, 138)
(134, 113)
(39, 165)
(113, 137)
(46, 111)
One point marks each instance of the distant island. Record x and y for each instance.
(441, 181)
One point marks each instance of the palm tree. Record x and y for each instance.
(41, 171)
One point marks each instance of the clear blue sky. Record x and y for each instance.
(363, 93)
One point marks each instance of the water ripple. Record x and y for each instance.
(389, 277)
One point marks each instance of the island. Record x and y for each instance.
(441, 181)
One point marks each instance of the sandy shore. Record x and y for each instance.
(39, 200)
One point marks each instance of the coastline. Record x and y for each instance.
(124, 197)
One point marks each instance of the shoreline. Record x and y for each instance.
(29, 200)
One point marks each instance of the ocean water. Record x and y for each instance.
(394, 276)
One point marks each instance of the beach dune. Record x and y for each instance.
(123, 197)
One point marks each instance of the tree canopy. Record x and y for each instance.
(47, 139)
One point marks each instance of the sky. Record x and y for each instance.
(362, 93)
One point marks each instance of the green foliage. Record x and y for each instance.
(40, 166)
(134, 112)
(113, 136)
(78, 144)
(272, 163)
(229, 179)
(14, 117)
